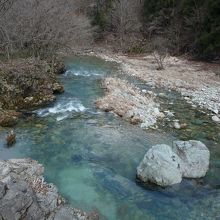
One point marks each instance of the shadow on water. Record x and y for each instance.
(92, 156)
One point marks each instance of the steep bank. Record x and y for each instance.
(25, 195)
(26, 84)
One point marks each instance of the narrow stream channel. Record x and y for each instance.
(91, 156)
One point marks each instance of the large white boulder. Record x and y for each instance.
(194, 156)
(165, 165)
(160, 166)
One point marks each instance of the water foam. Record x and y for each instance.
(83, 72)
(62, 109)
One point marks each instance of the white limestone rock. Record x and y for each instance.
(160, 166)
(194, 158)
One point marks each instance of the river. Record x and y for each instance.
(91, 156)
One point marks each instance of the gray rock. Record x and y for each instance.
(215, 111)
(160, 166)
(215, 119)
(65, 213)
(24, 194)
(3, 189)
(19, 202)
(176, 125)
(194, 158)
(165, 165)
(162, 95)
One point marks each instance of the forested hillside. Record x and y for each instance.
(179, 26)
(185, 26)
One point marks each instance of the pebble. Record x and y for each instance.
(216, 118)
(161, 115)
(176, 125)
(206, 97)
(215, 111)
(186, 98)
(169, 114)
(162, 95)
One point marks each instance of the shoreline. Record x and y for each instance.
(197, 83)
(24, 194)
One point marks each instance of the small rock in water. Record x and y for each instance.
(187, 98)
(176, 125)
(215, 119)
(156, 111)
(162, 95)
(215, 111)
(11, 138)
(184, 125)
(161, 115)
(149, 92)
(169, 114)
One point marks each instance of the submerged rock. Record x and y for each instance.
(194, 157)
(160, 166)
(165, 165)
(25, 195)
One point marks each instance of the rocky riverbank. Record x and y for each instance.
(26, 84)
(198, 82)
(128, 102)
(25, 195)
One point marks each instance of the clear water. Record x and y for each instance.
(92, 156)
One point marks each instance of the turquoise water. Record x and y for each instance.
(92, 156)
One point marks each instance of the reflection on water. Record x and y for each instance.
(92, 156)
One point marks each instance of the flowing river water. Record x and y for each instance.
(91, 156)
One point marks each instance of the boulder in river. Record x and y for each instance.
(165, 165)
(160, 166)
(194, 157)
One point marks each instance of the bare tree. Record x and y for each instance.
(125, 17)
(160, 51)
(44, 26)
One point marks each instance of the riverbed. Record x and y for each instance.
(91, 156)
